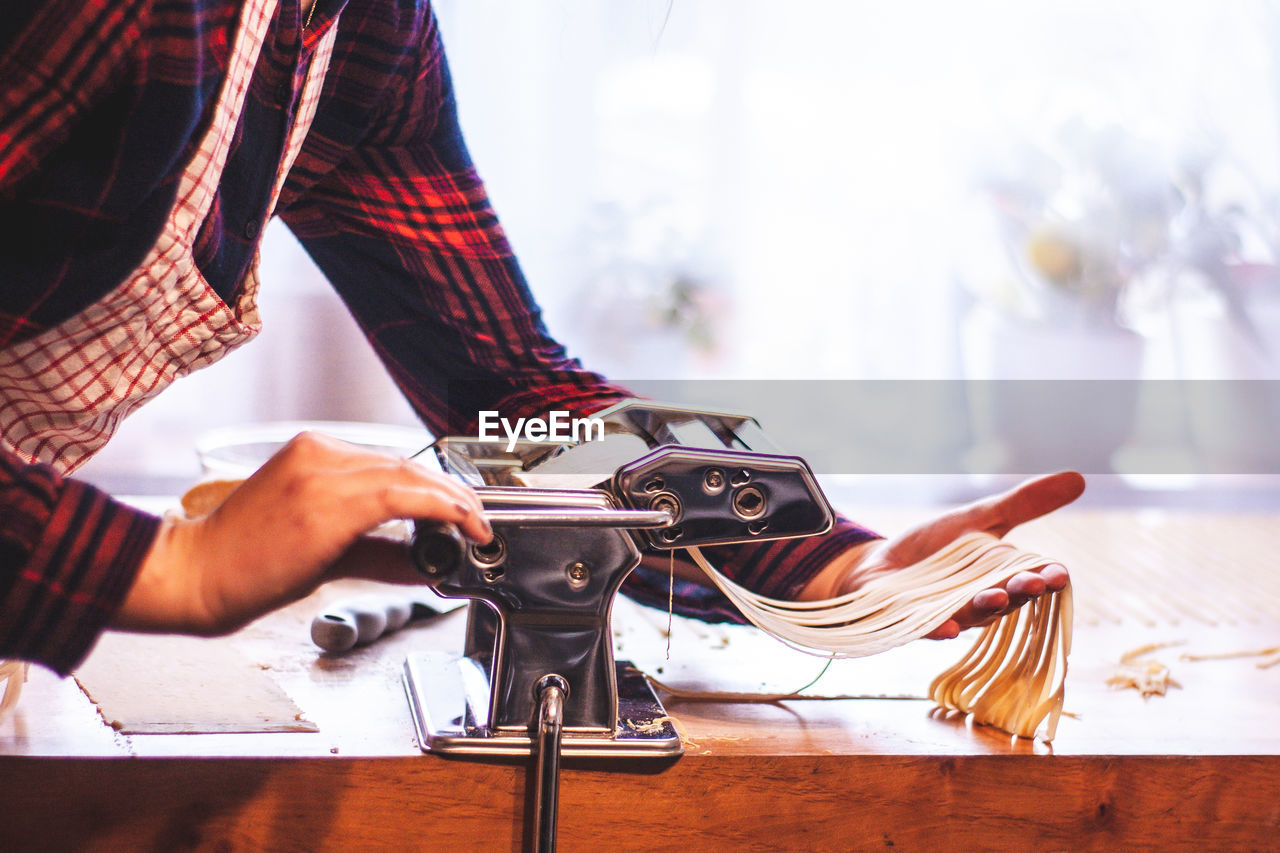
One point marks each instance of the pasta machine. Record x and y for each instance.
(537, 675)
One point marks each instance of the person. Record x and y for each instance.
(143, 144)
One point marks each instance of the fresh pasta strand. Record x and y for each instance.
(761, 698)
(1012, 677)
(13, 673)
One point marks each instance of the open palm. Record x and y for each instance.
(996, 515)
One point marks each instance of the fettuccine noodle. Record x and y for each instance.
(13, 673)
(1012, 677)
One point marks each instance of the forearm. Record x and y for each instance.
(468, 341)
(68, 556)
(387, 201)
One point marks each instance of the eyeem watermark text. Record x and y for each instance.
(558, 426)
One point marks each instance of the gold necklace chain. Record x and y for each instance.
(310, 14)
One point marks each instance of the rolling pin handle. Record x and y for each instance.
(437, 548)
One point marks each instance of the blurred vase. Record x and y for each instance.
(1045, 395)
(1229, 399)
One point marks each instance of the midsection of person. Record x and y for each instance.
(113, 102)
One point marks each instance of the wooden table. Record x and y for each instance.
(1198, 768)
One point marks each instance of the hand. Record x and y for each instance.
(297, 522)
(996, 515)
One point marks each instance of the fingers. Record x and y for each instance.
(996, 515)
(990, 604)
(981, 609)
(1024, 585)
(315, 470)
(948, 630)
(1055, 577)
(1027, 501)
(381, 493)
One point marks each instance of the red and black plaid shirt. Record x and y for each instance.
(101, 105)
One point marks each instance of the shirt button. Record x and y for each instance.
(284, 93)
(251, 229)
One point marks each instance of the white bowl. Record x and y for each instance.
(238, 451)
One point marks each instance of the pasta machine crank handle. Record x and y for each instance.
(550, 691)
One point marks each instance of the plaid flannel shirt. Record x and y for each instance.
(101, 103)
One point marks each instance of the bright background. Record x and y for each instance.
(820, 189)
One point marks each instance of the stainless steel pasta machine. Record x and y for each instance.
(537, 675)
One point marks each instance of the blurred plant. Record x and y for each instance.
(642, 270)
(1101, 223)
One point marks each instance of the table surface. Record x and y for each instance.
(1197, 764)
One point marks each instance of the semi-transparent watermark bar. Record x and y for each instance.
(949, 427)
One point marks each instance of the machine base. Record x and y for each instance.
(449, 697)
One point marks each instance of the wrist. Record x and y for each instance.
(165, 593)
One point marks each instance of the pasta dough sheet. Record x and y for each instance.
(154, 684)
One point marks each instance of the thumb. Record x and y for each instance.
(1029, 500)
(996, 515)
